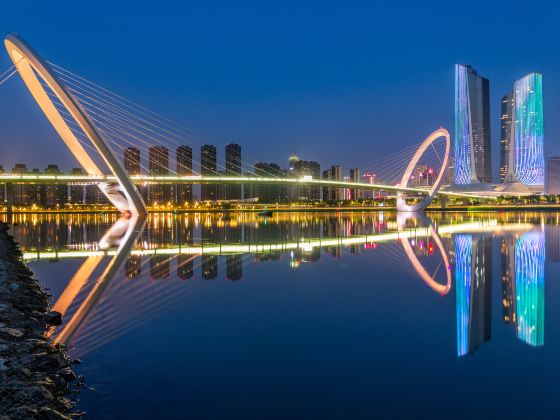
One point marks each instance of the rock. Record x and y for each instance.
(50, 414)
(11, 332)
(53, 318)
(68, 374)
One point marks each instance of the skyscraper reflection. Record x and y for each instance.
(529, 287)
(523, 267)
(473, 277)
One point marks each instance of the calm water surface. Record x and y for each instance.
(332, 315)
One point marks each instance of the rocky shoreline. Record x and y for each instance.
(36, 376)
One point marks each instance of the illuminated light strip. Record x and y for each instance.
(139, 179)
(474, 227)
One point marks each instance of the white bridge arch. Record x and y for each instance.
(123, 194)
(425, 202)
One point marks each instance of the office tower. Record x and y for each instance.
(472, 127)
(526, 155)
(552, 179)
(336, 175)
(132, 161)
(369, 178)
(355, 193)
(54, 195)
(20, 192)
(184, 168)
(208, 166)
(158, 165)
(473, 279)
(268, 193)
(77, 189)
(304, 169)
(233, 168)
(95, 196)
(505, 140)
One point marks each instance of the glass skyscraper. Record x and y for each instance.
(526, 154)
(505, 140)
(472, 127)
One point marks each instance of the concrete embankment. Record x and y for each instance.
(36, 376)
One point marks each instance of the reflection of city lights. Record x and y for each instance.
(529, 286)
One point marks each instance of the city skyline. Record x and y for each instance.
(365, 116)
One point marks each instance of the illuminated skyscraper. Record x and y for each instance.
(526, 155)
(208, 166)
(132, 160)
(472, 127)
(505, 141)
(233, 168)
(158, 164)
(183, 192)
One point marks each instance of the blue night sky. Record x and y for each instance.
(336, 82)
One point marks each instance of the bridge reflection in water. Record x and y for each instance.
(106, 296)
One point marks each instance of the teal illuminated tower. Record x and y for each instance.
(526, 153)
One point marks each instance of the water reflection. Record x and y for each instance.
(129, 266)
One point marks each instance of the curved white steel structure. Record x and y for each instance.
(123, 194)
(422, 204)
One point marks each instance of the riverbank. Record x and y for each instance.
(36, 376)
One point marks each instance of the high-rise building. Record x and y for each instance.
(54, 195)
(77, 190)
(302, 169)
(183, 192)
(355, 193)
(336, 175)
(505, 140)
(208, 166)
(132, 160)
(472, 127)
(268, 193)
(526, 152)
(369, 178)
(233, 168)
(158, 165)
(552, 179)
(21, 192)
